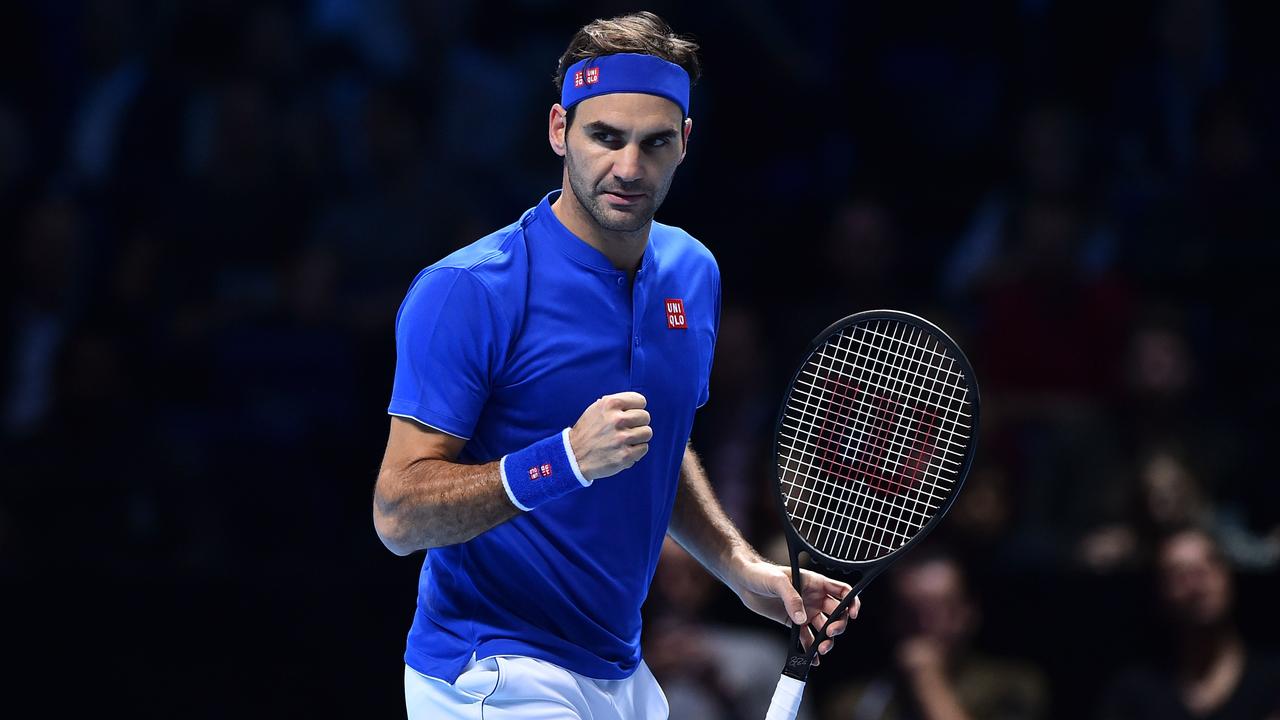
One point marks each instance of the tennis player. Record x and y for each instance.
(546, 381)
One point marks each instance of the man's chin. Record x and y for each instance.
(624, 220)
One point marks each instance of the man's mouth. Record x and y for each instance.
(620, 198)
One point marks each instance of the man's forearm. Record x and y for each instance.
(700, 525)
(432, 503)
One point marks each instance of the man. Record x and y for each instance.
(1207, 669)
(937, 675)
(545, 386)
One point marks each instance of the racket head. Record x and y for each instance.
(835, 466)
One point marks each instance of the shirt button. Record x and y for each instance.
(637, 341)
(621, 280)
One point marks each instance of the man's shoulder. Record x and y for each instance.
(495, 261)
(490, 254)
(676, 244)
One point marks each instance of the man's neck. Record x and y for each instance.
(623, 249)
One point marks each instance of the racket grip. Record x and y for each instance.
(786, 699)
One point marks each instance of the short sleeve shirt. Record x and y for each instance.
(506, 342)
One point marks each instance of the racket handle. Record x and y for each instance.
(786, 699)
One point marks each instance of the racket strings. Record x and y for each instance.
(883, 412)
(872, 438)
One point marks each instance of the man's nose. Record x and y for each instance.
(626, 164)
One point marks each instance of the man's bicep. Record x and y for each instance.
(410, 441)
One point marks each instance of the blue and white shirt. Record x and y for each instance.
(506, 342)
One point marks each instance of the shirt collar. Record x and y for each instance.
(559, 236)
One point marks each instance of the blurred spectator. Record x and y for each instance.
(394, 174)
(730, 429)
(14, 154)
(1052, 163)
(1043, 311)
(115, 77)
(1158, 101)
(860, 258)
(1169, 494)
(981, 521)
(1208, 670)
(708, 670)
(46, 294)
(935, 672)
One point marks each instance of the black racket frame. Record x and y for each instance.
(799, 660)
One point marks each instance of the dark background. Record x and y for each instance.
(210, 211)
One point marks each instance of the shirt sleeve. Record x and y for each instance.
(450, 335)
(704, 393)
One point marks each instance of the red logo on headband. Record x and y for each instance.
(577, 79)
(593, 75)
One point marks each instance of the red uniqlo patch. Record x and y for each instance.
(593, 75)
(533, 473)
(675, 314)
(545, 470)
(577, 79)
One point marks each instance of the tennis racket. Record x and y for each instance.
(874, 439)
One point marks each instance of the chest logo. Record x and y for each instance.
(676, 319)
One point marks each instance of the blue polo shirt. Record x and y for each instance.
(506, 342)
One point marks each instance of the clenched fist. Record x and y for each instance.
(612, 434)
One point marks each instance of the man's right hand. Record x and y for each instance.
(612, 435)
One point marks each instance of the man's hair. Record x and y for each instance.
(643, 33)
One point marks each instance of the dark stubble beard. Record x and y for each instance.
(594, 202)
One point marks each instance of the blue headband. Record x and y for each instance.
(625, 73)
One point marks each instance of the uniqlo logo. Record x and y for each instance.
(545, 470)
(593, 75)
(533, 473)
(676, 319)
(577, 79)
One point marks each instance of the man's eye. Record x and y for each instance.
(605, 137)
(658, 142)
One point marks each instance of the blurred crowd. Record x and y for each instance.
(212, 209)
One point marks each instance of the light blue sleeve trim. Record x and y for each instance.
(424, 423)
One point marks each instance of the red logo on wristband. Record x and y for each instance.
(533, 473)
(545, 470)
(676, 319)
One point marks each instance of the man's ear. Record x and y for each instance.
(556, 128)
(688, 128)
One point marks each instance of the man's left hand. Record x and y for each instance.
(766, 589)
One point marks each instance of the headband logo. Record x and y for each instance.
(592, 77)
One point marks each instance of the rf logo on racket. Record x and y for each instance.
(676, 319)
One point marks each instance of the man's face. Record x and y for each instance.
(1194, 582)
(621, 154)
(930, 601)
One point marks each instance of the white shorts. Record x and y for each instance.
(512, 687)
